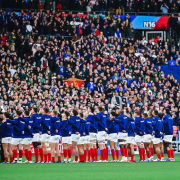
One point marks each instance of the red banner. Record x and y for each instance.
(76, 82)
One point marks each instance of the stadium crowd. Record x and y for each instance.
(130, 6)
(40, 50)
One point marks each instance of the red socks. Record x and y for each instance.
(81, 157)
(41, 153)
(132, 156)
(117, 154)
(76, 158)
(122, 151)
(30, 155)
(140, 154)
(6, 159)
(59, 158)
(107, 152)
(65, 153)
(89, 155)
(69, 154)
(92, 153)
(172, 153)
(36, 154)
(11, 159)
(49, 156)
(169, 154)
(125, 152)
(45, 157)
(20, 153)
(85, 155)
(27, 154)
(148, 155)
(159, 156)
(143, 153)
(152, 151)
(53, 159)
(113, 154)
(95, 154)
(15, 153)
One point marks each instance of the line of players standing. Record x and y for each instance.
(86, 132)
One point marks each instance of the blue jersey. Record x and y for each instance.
(101, 118)
(36, 118)
(113, 126)
(65, 128)
(168, 124)
(123, 119)
(75, 124)
(158, 127)
(46, 123)
(131, 127)
(94, 123)
(6, 129)
(28, 122)
(18, 127)
(82, 128)
(55, 125)
(140, 126)
(148, 125)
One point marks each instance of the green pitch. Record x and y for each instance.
(93, 171)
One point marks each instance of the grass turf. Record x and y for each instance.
(92, 171)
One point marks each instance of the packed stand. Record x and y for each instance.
(102, 52)
(41, 50)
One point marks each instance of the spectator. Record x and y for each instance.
(172, 21)
(102, 5)
(174, 9)
(40, 5)
(89, 7)
(12, 39)
(118, 4)
(172, 62)
(130, 31)
(116, 98)
(164, 9)
(49, 6)
(130, 8)
(96, 7)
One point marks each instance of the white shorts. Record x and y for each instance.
(75, 137)
(101, 136)
(45, 137)
(152, 138)
(67, 140)
(81, 140)
(130, 140)
(147, 138)
(7, 140)
(113, 137)
(93, 136)
(27, 141)
(87, 139)
(36, 137)
(168, 138)
(122, 136)
(16, 141)
(106, 136)
(55, 139)
(138, 139)
(157, 140)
